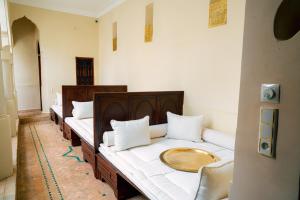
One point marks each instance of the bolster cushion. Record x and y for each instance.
(219, 138)
(109, 138)
(215, 180)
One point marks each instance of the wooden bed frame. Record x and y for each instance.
(81, 93)
(56, 118)
(128, 106)
(52, 115)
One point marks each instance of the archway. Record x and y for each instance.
(27, 64)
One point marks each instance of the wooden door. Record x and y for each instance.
(84, 71)
(40, 73)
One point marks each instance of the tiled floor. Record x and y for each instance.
(8, 186)
(49, 168)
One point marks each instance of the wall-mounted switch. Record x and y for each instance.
(270, 93)
(268, 126)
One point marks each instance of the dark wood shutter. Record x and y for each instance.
(85, 71)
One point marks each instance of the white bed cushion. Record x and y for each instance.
(132, 133)
(58, 110)
(215, 180)
(82, 110)
(219, 138)
(143, 167)
(83, 127)
(87, 124)
(184, 127)
(58, 100)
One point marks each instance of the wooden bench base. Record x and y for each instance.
(70, 134)
(52, 114)
(109, 174)
(60, 122)
(57, 119)
(89, 155)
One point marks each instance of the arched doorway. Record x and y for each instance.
(27, 64)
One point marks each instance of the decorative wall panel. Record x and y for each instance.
(217, 13)
(115, 36)
(149, 23)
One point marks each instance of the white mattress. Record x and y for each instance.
(84, 127)
(58, 110)
(159, 182)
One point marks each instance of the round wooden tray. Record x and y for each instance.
(187, 159)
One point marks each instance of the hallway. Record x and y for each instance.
(49, 168)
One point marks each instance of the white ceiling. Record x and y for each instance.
(91, 8)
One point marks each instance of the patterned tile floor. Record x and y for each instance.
(49, 168)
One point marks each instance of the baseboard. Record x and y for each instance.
(28, 111)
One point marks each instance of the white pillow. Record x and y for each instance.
(156, 131)
(58, 100)
(184, 127)
(130, 134)
(219, 138)
(215, 180)
(82, 110)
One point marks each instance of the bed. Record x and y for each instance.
(142, 166)
(56, 115)
(124, 107)
(81, 94)
(76, 130)
(139, 170)
(56, 111)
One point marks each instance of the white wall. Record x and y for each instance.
(26, 66)
(184, 55)
(62, 37)
(6, 160)
(4, 35)
(266, 60)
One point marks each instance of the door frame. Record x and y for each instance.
(40, 73)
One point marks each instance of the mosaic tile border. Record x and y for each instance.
(47, 171)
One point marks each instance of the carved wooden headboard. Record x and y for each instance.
(133, 105)
(84, 93)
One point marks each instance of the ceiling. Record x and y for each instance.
(91, 8)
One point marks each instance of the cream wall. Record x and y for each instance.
(266, 60)
(25, 59)
(3, 20)
(184, 55)
(62, 37)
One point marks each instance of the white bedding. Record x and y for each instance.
(159, 182)
(57, 109)
(84, 127)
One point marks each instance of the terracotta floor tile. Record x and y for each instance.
(44, 171)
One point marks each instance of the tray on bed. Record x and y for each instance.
(187, 159)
